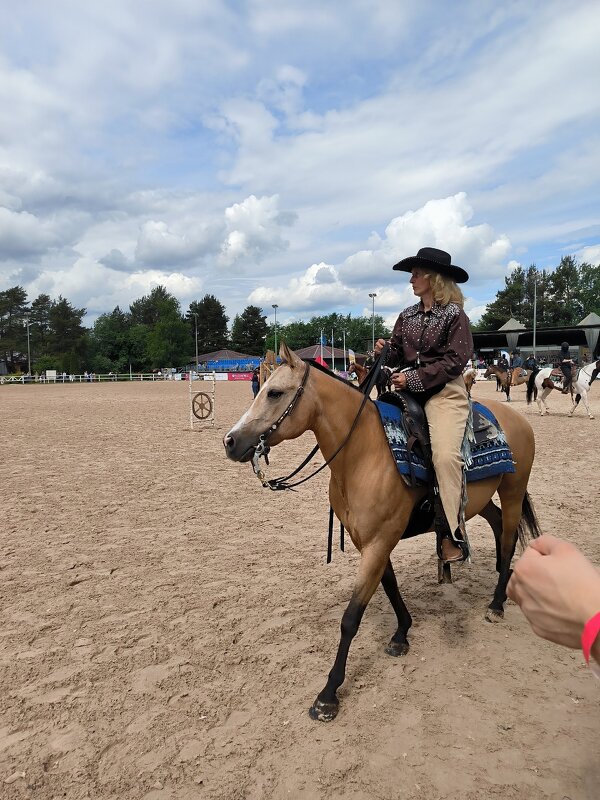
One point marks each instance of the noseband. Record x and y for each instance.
(262, 448)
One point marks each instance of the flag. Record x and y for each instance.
(320, 361)
(351, 356)
(323, 339)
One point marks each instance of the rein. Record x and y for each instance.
(262, 448)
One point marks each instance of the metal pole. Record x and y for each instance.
(197, 365)
(373, 295)
(332, 356)
(345, 365)
(321, 343)
(534, 311)
(28, 323)
(275, 306)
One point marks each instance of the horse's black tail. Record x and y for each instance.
(528, 527)
(531, 390)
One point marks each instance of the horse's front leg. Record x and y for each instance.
(372, 565)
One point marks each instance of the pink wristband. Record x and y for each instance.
(588, 637)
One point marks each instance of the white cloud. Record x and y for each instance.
(90, 284)
(319, 287)
(23, 234)
(589, 255)
(254, 230)
(440, 223)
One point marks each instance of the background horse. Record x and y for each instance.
(384, 379)
(503, 379)
(540, 384)
(470, 375)
(369, 496)
(583, 384)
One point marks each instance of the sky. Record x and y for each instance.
(290, 152)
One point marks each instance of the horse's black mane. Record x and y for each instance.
(331, 374)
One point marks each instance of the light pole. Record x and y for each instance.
(28, 323)
(275, 307)
(373, 295)
(196, 326)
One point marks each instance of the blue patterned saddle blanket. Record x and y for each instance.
(487, 453)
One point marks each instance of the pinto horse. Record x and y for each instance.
(540, 384)
(299, 397)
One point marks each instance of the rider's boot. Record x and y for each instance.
(567, 386)
(448, 550)
(451, 552)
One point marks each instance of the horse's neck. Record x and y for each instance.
(336, 409)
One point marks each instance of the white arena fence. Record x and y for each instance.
(65, 378)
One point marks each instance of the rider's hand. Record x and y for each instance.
(379, 345)
(399, 380)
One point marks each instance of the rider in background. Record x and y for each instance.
(503, 362)
(566, 365)
(432, 343)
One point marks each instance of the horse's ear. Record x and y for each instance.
(289, 356)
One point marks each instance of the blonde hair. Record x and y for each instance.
(444, 289)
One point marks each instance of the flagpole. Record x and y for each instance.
(345, 365)
(534, 310)
(332, 356)
(321, 343)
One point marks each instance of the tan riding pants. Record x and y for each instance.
(447, 415)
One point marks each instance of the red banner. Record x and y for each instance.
(239, 376)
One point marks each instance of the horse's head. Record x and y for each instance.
(489, 372)
(278, 412)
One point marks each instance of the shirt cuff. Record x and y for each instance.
(413, 381)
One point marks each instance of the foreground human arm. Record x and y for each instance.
(558, 590)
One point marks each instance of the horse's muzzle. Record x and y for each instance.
(237, 449)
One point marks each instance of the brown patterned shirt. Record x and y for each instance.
(437, 344)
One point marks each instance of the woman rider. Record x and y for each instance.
(566, 365)
(432, 343)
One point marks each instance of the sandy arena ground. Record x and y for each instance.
(166, 623)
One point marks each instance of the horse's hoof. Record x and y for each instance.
(397, 648)
(492, 615)
(324, 712)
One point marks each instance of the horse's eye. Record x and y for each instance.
(274, 394)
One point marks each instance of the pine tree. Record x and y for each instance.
(209, 316)
(249, 331)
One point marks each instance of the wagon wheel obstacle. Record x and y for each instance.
(202, 405)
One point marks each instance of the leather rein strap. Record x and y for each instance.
(262, 449)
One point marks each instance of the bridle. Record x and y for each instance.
(263, 448)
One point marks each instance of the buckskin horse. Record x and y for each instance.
(367, 493)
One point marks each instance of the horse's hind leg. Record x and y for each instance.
(493, 516)
(398, 645)
(511, 498)
(372, 566)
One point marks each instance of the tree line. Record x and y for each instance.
(563, 296)
(153, 333)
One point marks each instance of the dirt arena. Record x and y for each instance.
(166, 622)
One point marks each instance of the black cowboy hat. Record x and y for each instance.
(437, 261)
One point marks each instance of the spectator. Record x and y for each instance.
(558, 590)
(255, 381)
